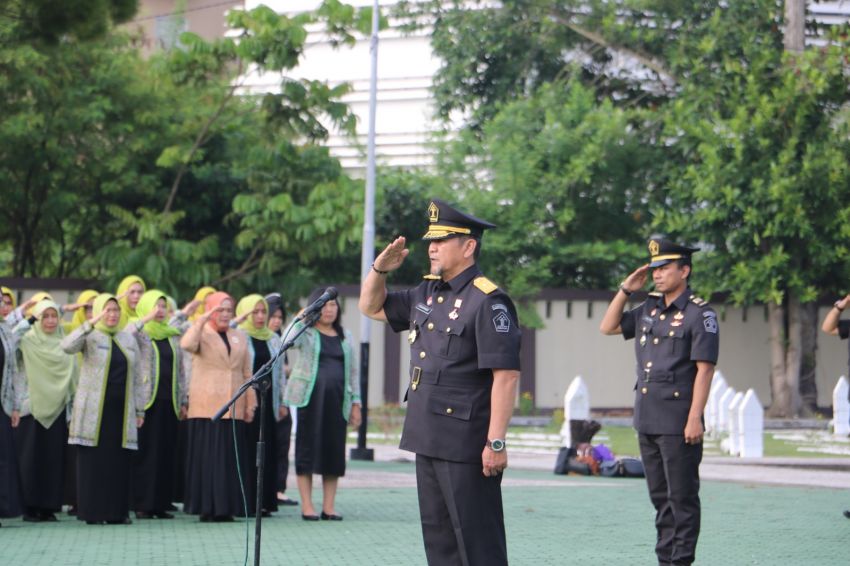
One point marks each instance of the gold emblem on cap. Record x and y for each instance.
(653, 247)
(433, 213)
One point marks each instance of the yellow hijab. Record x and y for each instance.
(51, 373)
(7, 291)
(125, 285)
(79, 317)
(97, 308)
(201, 295)
(247, 305)
(38, 297)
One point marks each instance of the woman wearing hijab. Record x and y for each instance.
(262, 344)
(42, 430)
(11, 398)
(129, 293)
(82, 312)
(325, 386)
(107, 411)
(161, 359)
(193, 310)
(220, 365)
(277, 316)
(7, 302)
(182, 320)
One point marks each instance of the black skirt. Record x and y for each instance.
(269, 501)
(103, 471)
(10, 501)
(320, 436)
(42, 459)
(155, 462)
(212, 482)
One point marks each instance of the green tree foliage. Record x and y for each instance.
(48, 21)
(113, 164)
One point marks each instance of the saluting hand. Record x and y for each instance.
(206, 316)
(842, 303)
(393, 255)
(241, 318)
(636, 279)
(191, 307)
(95, 319)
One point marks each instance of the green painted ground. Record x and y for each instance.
(550, 520)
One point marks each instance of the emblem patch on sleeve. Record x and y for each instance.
(710, 324)
(502, 322)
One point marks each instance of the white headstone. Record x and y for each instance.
(751, 432)
(576, 407)
(734, 423)
(841, 408)
(723, 409)
(718, 387)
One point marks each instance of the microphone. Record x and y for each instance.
(316, 306)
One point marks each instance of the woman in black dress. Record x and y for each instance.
(42, 431)
(162, 359)
(10, 503)
(325, 387)
(108, 408)
(252, 316)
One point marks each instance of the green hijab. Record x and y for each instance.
(156, 330)
(247, 305)
(97, 308)
(51, 373)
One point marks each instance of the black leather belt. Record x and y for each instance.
(667, 376)
(468, 380)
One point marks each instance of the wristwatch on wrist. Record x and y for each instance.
(835, 304)
(625, 291)
(496, 445)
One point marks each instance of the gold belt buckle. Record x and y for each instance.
(417, 373)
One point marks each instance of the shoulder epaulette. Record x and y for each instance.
(485, 285)
(430, 277)
(698, 301)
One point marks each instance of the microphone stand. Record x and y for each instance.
(261, 381)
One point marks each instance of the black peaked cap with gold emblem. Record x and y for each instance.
(663, 251)
(445, 221)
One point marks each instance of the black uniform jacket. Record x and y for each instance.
(670, 340)
(460, 330)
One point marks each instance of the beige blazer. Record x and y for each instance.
(216, 375)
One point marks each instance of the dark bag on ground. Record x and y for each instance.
(563, 460)
(622, 468)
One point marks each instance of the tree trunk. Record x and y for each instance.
(794, 354)
(809, 345)
(795, 25)
(780, 405)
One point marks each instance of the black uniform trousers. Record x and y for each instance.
(461, 511)
(672, 476)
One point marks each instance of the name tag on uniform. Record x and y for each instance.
(422, 308)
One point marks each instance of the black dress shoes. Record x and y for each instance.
(331, 517)
(163, 515)
(310, 517)
(286, 501)
(143, 515)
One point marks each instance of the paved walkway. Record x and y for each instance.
(550, 520)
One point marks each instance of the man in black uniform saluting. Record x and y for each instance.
(676, 349)
(464, 350)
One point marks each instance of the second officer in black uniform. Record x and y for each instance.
(676, 348)
(464, 348)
